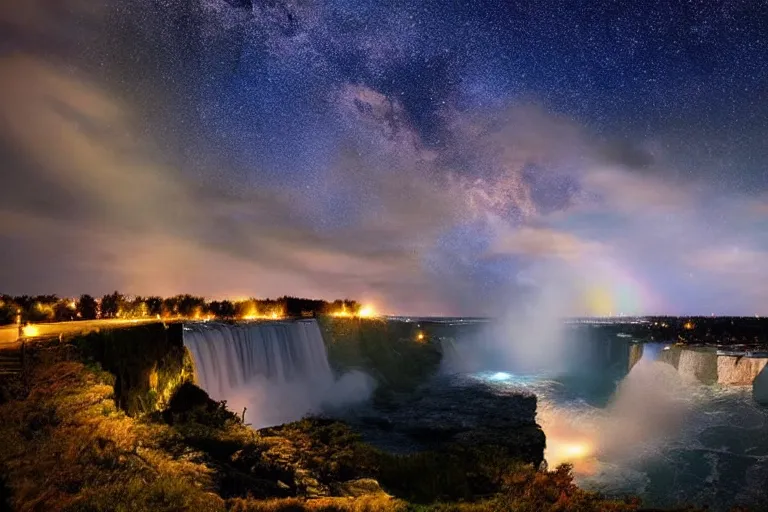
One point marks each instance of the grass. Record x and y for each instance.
(66, 446)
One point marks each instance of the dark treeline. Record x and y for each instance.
(51, 308)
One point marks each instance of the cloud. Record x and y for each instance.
(99, 196)
(144, 227)
(629, 193)
(544, 243)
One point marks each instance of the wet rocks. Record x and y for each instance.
(760, 387)
(467, 412)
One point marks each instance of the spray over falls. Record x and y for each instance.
(278, 370)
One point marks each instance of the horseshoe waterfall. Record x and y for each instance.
(276, 370)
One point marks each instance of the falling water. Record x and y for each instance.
(279, 370)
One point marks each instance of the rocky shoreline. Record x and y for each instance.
(453, 409)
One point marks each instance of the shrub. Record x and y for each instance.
(191, 404)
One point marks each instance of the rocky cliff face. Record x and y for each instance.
(457, 410)
(148, 362)
(399, 355)
(702, 364)
(760, 387)
(635, 354)
(739, 371)
(698, 365)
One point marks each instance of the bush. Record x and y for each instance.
(189, 403)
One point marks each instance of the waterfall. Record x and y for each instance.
(279, 370)
(451, 359)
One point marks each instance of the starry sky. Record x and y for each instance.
(430, 157)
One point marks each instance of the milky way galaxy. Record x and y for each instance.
(429, 157)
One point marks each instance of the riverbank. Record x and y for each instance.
(196, 455)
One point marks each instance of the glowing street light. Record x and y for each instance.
(366, 312)
(30, 330)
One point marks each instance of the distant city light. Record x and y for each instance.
(366, 312)
(420, 336)
(255, 315)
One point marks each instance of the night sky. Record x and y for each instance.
(429, 157)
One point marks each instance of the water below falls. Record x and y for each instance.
(669, 439)
(278, 370)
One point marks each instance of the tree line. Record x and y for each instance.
(51, 308)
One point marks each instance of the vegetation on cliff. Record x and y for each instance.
(148, 363)
(399, 355)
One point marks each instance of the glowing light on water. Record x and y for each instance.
(560, 451)
(500, 376)
(577, 450)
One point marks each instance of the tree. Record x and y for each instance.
(64, 311)
(189, 305)
(222, 309)
(137, 308)
(154, 306)
(170, 306)
(112, 305)
(8, 310)
(86, 308)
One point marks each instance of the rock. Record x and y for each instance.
(698, 364)
(635, 354)
(760, 387)
(671, 355)
(188, 397)
(190, 403)
(357, 488)
(468, 412)
(739, 371)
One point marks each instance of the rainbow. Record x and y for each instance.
(610, 289)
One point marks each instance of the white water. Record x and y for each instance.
(670, 439)
(278, 370)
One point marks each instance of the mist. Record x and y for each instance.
(529, 336)
(269, 404)
(278, 371)
(647, 410)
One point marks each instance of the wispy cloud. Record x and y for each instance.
(96, 198)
